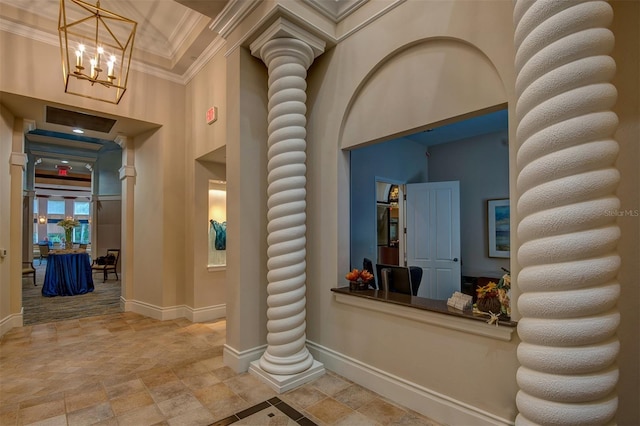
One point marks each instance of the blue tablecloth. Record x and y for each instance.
(67, 275)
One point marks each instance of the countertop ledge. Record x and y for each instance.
(429, 311)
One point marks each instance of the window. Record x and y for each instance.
(55, 207)
(81, 233)
(81, 208)
(35, 206)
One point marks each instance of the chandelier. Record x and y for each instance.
(96, 47)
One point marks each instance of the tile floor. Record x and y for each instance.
(127, 369)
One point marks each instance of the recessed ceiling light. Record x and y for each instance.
(64, 161)
(78, 131)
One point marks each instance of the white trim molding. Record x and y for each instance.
(127, 171)
(239, 361)
(207, 313)
(18, 159)
(11, 321)
(440, 407)
(336, 10)
(232, 14)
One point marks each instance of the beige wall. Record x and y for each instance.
(6, 126)
(378, 59)
(107, 219)
(246, 201)
(627, 80)
(207, 89)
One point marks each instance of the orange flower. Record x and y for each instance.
(366, 276)
(353, 275)
(357, 275)
(489, 290)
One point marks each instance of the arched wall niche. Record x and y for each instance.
(424, 83)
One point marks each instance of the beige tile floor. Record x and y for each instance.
(127, 369)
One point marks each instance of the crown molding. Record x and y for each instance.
(232, 14)
(52, 40)
(204, 58)
(282, 28)
(335, 10)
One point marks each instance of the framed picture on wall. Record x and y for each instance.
(499, 228)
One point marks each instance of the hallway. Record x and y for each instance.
(127, 369)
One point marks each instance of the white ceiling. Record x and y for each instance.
(170, 35)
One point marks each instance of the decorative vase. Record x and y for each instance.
(68, 238)
(489, 304)
(358, 285)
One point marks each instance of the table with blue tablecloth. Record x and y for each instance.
(67, 274)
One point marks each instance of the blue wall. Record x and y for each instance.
(399, 160)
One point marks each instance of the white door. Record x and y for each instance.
(433, 236)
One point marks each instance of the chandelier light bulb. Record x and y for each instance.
(110, 64)
(79, 56)
(94, 71)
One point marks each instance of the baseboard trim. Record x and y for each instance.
(11, 321)
(207, 313)
(441, 408)
(239, 361)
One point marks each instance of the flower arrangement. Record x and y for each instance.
(488, 290)
(68, 224)
(495, 298)
(504, 293)
(359, 280)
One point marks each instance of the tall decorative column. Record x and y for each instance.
(568, 232)
(288, 51)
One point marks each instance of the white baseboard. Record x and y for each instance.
(11, 321)
(441, 408)
(208, 313)
(239, 361)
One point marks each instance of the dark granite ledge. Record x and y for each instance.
(432, 305)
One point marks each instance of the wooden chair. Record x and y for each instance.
(44, 251)
(29, 269)
(108, 263)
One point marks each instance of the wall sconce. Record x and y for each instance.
(42, 220)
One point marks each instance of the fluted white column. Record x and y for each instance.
(568, 233)
(287, 58)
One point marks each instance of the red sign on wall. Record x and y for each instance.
(212, 114)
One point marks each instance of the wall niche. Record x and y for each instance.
(217, 258)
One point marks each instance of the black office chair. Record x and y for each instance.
(367, 265)
(415, 273)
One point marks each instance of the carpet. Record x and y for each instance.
(103, 300)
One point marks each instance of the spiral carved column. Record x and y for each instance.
(567, 233)
(288, 50)
(287, 60)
